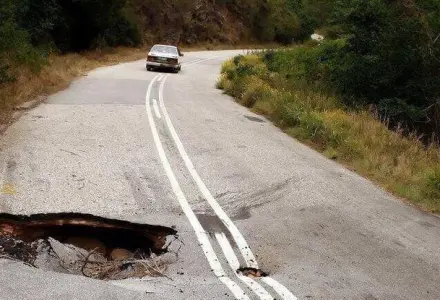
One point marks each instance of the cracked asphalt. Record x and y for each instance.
(320, 230)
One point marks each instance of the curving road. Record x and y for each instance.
(170, 149)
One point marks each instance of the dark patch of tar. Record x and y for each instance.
(255, 119)
(138, 188)
(11, 165)
(213, 224)
(427, 224)
(243, 213)
(399, 243)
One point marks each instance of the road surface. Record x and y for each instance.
(170, 149)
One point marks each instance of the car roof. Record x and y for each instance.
(164, 46)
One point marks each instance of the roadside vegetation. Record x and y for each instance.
(367, 97)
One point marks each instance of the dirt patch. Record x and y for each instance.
(87, 245)
(252, 272)
(17, 249)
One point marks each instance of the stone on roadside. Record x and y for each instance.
(89, 244)
(30, 104)
(119, 254)
(70, 254)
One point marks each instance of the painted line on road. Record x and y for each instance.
(156, 108)
(160, 77)
(199, 61)
(238, 237)
(235, 265)
(279, 288)
(236, 234)
(187, 63)
(192, 61)
(201, 234)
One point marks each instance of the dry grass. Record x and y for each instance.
(57, 75)
(152, 266)
(401, 164)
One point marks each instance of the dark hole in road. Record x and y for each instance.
(106, 246)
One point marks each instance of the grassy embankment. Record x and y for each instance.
(401, 164)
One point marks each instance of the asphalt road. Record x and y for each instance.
(170, 149)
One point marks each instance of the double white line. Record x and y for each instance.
(202, 235)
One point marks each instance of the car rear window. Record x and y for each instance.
(164, 49)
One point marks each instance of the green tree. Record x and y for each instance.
(38, 18)
(391, 58)
(15, 48)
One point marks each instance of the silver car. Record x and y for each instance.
(164, 56)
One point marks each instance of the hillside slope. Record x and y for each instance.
(189, 22)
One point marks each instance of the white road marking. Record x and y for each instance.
(192, 61)
(156, 108)
(235, 265)
(201, 234)
(279, 288)
(238, 237)
(236, 234)
(198, 61)
(160, 77)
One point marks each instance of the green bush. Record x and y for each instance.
(256, 90)
(432, 189)
(386, 57)
(289, 113)
(15, 48)
(389, 59)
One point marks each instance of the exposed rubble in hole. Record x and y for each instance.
(87, 245)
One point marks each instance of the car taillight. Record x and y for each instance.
(172, 60)
(150, 58)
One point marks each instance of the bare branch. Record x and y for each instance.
(87, 260)
(435, 40)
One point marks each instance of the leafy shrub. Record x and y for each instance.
(433, 185)
(389, 59)
(256, 90)
(289, 112)
(15, 48)
(5, 76)
(385, 57)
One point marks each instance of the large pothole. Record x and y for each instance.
(86, 245)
